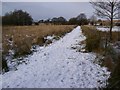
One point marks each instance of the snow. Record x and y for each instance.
(49, 37)
(58, 66)
(107, 29)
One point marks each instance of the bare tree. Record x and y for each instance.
(107, 9)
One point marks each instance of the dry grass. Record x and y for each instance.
(91, 30)
(93, 38)
(24, 37)
(96, 39)
(108, 62)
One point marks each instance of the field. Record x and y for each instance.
(20, 39)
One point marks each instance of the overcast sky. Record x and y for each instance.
(45, 10)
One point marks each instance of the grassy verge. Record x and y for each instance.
(96, 42)
(93, 38)
(98, 38)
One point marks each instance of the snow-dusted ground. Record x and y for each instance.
(107, 29)
(58, 66)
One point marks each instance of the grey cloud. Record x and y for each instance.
(44, 10)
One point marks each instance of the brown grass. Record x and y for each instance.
(91, 30)
(24, 37)
(96, 39)
(92, 38)
(108, 62)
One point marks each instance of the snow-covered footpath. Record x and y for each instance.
(58, 66)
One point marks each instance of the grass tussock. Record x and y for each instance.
(93, 38)
(22, 38)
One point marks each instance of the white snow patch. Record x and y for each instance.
(108, 29)
(49, 37)
(58, 66)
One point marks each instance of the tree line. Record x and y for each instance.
(20, 17)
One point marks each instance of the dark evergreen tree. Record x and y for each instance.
(82, 19)
(17, 17)
(79, 20)
(72, 21)
(59, 20)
